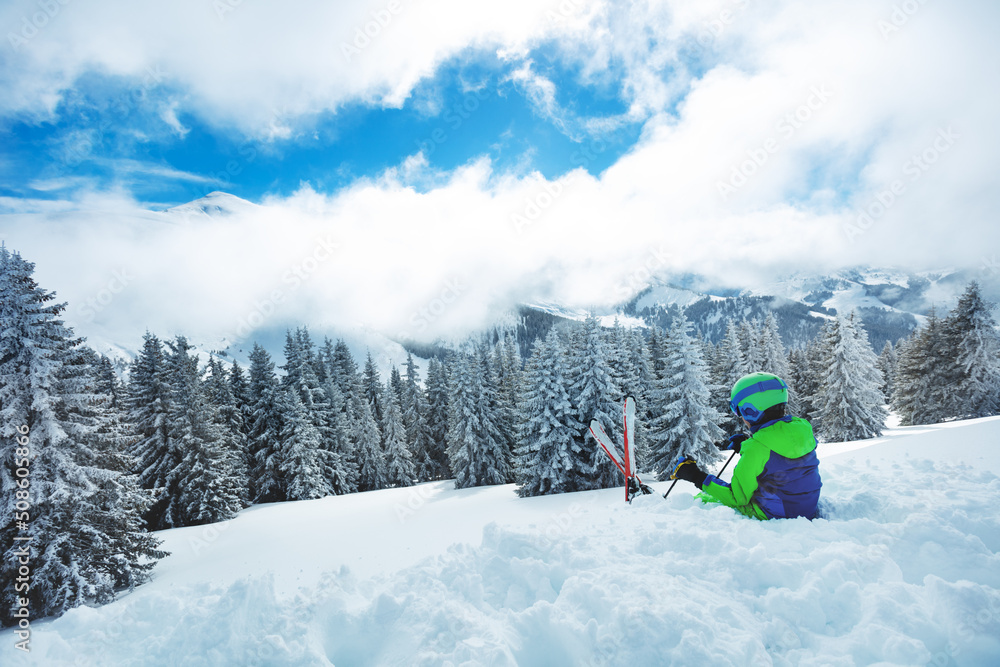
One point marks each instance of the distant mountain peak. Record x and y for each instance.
(214, 204)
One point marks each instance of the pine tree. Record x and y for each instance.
(924, 375)
(344, 370)
(850, 400)
(149, 403)
(774, 358)
(475, 446)
(302, 463)
(400, 470)
(396, 383)
(809, 375)
(688, 425)
(437, 394)
(973, 342)
(239, 388)
(266, 427)
(372, 473)
(373, 388)
(750, 344)
(229, 417)
(418, 433)
(508, 378)
(887, 361)
(323, 409)
(730, 365)
(204, 486)
(550, 457)
(595, 396)
(83, 536)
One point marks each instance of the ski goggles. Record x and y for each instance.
(749, 412)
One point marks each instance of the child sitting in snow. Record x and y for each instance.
(777, 475)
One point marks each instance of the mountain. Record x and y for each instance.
(214, 204)
(900, 570)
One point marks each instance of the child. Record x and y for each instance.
(777, 475)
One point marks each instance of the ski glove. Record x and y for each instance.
(735, 442)
(685, 468)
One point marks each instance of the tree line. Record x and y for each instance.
(180, 442)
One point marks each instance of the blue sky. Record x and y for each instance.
(108, 133)
(566, 151)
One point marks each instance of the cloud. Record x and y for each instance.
(780, 137)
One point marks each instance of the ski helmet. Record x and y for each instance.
(753, 394)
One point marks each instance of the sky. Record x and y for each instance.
(417, 167)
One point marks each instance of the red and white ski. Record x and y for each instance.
(629, 423)
(604, 441)
(626, 466)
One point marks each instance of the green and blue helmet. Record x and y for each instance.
(753, 394)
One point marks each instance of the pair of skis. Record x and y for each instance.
(626, 464)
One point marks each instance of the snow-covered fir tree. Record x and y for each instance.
(437, 395)
(373, 388)
(750, 344)
(229, 416)
(204, 484)
(82, 531)
(372, 472)
(973, 342)
(595, 396)
(924, 375)
(850, 403)
(730, 364)
(149, 403)
(418, 433)
(322, 406)
(400, 470)
(396, 383)
(688, 423)
(302, 463)
(266, 426)
(507, 379)
(887, 361)
(550, 457)
(476, 448)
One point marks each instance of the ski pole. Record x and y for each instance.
(720, 472)
(727, 464)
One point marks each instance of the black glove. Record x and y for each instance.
(735, 442)
(685, 468)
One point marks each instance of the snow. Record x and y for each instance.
(213, 205)
(903, 570)
(667, 295)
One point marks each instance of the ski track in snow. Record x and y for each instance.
(902, 570)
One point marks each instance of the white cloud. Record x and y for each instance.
(838, 107)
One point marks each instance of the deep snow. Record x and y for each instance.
(902, 570)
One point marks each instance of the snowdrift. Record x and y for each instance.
(902, 570)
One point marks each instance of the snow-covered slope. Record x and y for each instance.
(903, 570)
